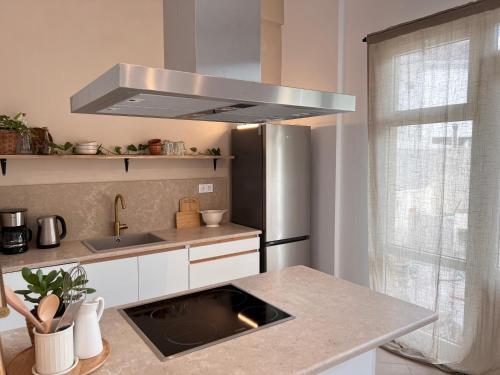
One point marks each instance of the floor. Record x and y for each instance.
(390, 364)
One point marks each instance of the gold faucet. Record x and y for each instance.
(118, 226)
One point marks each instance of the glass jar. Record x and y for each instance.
(168, 147)
(24, 145)
(179, 148)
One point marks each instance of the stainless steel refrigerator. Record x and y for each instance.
(270, 182)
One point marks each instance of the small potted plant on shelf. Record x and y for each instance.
(40, 285)
(11, 130)
(139, 149)
(61, 149)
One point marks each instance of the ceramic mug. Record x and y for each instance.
(54, 352)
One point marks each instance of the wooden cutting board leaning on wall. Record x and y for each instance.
(188, 215)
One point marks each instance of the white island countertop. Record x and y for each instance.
(334, 322)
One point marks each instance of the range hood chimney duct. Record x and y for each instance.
(213, 37)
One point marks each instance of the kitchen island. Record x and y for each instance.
(336, 328)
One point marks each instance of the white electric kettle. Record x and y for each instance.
(88, 340)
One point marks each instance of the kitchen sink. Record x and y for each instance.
(127, 241)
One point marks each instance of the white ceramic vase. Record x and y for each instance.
(88, 340)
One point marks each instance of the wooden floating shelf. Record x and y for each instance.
(125, 157)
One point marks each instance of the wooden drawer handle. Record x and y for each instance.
(222, 241)
(223, 256)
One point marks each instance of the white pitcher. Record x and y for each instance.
(88, 340)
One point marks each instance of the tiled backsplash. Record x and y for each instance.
(88, 208)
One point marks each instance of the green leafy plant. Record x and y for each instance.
(132, 148)
(41, 285)
(68, 146)
(194, 149)
(117, 150)
(213, 151)
(139, 148)
(15, 123)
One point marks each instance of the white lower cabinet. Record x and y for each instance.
(163, 273)
(15, 281)
(115, 280)
(128, 280)
(207, 272)
(223, 261)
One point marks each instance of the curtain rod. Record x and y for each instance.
(435, 19)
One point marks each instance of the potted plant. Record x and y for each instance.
(11, 129)
(40, 285)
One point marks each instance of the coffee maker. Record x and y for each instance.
(15, 235)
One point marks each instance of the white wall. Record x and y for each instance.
(309, 60)
(362, 17)
(52, 49)
(323, 49)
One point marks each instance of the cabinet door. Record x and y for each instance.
(15, 281)
(163, 273)
(115, 280)
(208, 272)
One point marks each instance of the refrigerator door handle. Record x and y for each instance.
(287, 240)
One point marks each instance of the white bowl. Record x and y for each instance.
(85, 151)
(91, 143)
(212, 218)
(86, 147)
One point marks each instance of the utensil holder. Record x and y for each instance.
(54, 352)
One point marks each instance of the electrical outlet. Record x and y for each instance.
(205, 188)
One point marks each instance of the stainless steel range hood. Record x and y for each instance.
(231, 31)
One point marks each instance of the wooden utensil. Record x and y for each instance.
(187, 220)
(47, 309)
(189, 204)
(18, 305)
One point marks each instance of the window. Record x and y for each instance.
(434, 180)
(430, 187)
(433, 76)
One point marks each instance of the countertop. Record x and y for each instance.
(334, 321)
(76, 251)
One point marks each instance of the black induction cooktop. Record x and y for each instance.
(189, 322)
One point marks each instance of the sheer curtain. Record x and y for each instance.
(434, 186)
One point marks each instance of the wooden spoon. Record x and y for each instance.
(47, 309)
(18, 305)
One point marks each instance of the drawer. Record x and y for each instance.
(208, 272)
(223, 248)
